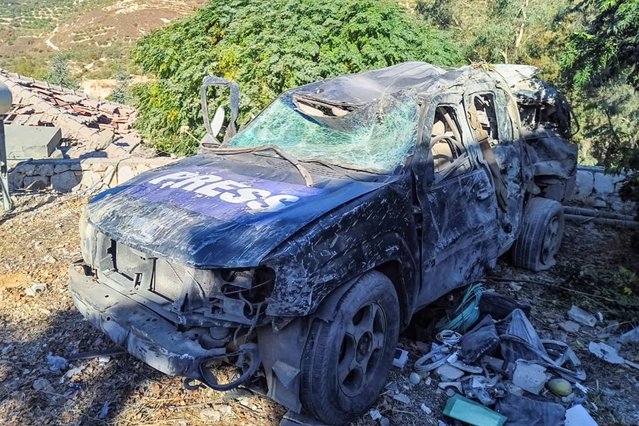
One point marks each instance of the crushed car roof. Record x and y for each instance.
(367, 87)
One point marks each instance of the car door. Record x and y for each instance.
(496, 135)
(457, 202)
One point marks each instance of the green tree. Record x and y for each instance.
(59, 73)
(269, 47)
(601, 62)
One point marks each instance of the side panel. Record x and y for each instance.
(374, 229)
(459, 209)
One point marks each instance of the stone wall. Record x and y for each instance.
(595, 188)
(66, 175)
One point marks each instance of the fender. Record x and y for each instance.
(380, 253)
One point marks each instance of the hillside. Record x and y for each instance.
(96, 35)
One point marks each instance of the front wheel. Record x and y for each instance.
(540, 236)
(346, 360)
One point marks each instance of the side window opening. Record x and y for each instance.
(485, 122)
(445, 144)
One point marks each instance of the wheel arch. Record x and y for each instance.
(392, 269)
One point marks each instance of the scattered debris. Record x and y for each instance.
(42, 385)
(401, 358)
(605, 352)
(448, 385)
(401, 397)
(75, 371)
(530, 377)
(35, 289)
(582, 316)
(631, 336)
(471, 412)
(569, 326)
(375, 414)
(57, 363)
(480, 340)
(578, 416)
(426, 409)
(523, 411)
(448, 373)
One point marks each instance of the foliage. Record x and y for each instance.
(59, 73)
(601, 62)
(269, 47)
(504, 31)
(121, 93)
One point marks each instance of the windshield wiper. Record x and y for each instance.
(308, 179)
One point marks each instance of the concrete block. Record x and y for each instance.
(45, 169)
(584, 185)
(60, 168)
(530, 377)
(604, 184)
(16, 180)
(27, 168)
(65, 181)
(25, 142)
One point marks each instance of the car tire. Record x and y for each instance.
(346, 360)
(542, 230)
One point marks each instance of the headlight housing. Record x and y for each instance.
(88, 237)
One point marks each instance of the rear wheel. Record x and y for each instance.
(541, 234)
(346, 360)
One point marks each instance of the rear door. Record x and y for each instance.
(457, 201)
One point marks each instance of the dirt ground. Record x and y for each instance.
(40, 239)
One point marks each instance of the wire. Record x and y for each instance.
(467, 313)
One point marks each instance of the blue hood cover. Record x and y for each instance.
(211, 212)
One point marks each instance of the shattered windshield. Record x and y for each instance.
(376, 137)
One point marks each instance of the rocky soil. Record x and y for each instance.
(37, 319)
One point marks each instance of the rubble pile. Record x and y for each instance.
(88, 124)
(496, 370)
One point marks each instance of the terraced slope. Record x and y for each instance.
(95, 34)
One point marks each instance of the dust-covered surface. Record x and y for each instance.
(40, 240)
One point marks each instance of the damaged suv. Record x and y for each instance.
(294, 252)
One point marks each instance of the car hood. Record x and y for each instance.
(210, 212)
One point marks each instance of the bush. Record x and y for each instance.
(269, 47)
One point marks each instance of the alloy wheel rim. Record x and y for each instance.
(361, 349)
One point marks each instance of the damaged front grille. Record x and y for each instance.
(185, 295)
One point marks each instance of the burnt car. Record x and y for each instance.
(296, 251)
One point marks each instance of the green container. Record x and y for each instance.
(472, 412)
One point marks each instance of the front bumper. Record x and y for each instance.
(142, 332)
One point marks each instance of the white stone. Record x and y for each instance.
(65, 181)
(584, 185)
(125, 173)
(604, 184)
(90, 178)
